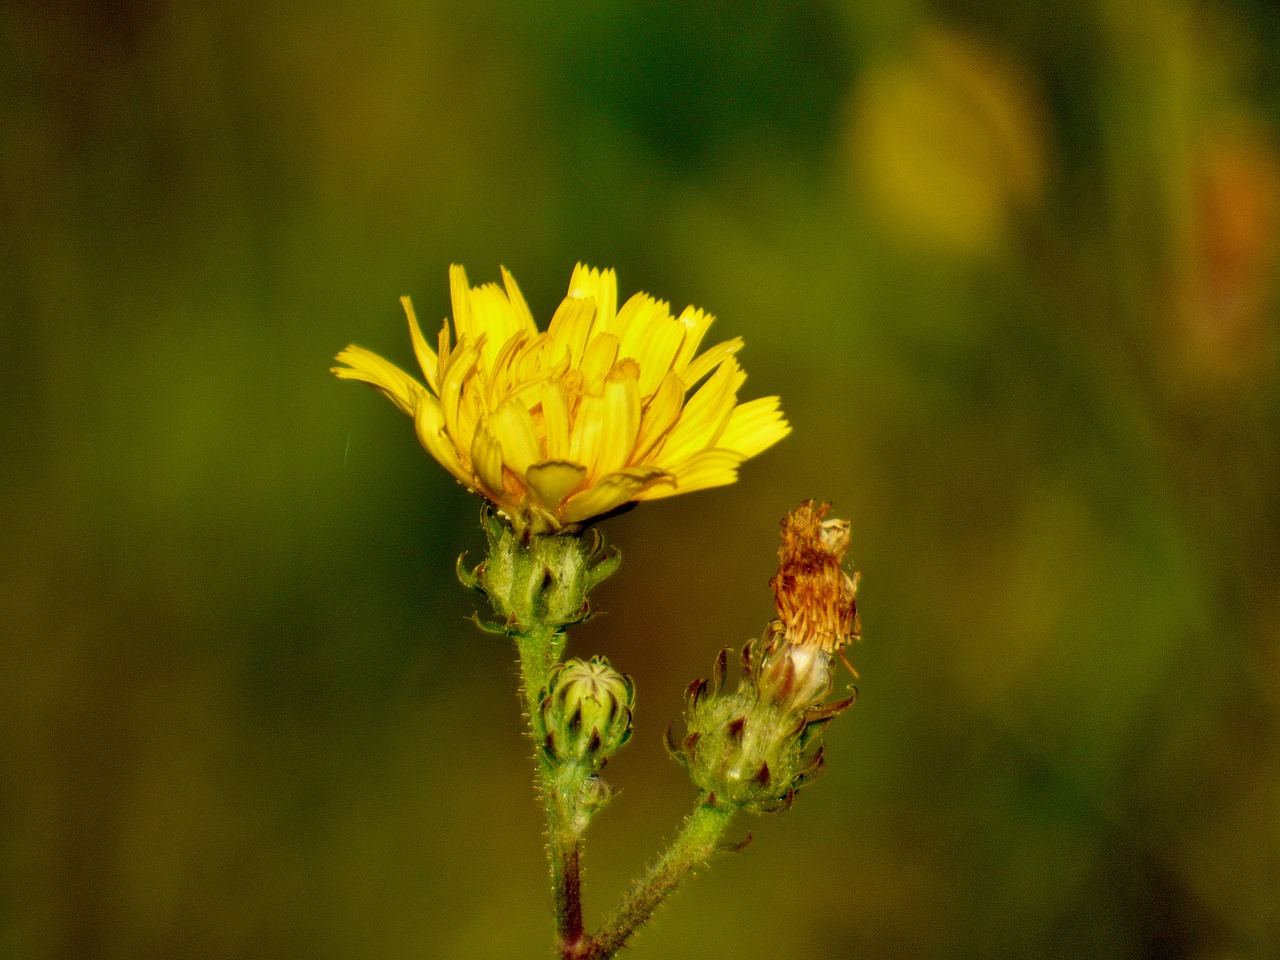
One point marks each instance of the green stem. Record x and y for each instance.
(540, 648)
(695, 844)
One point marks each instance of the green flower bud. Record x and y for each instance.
(753, 748)
(538, 579)
(586, 712)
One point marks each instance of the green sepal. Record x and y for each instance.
(604, 567)
(469, 578)
(490, 626)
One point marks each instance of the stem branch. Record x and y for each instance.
(693, 847)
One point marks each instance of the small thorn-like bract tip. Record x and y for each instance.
(669, 740)
(735, 728)
(489, 626)
(695, 690)
(469, 578)
(718, 671)
(812, 771)
(829, 710)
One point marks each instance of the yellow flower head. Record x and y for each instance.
(559, 426)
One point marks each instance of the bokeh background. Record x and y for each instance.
(1012, 267)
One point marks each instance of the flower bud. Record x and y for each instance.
(586, 712)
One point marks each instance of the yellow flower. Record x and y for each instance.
(559, 426)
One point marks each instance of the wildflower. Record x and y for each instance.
(560, 426)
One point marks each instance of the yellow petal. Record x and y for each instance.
(610, 492)
(621, 414)
(471, 411)
(600, 286)
(598, 360)
(486, 459)
(460, 295)
(604, 429)
(512, 425)
(588, 425)
(428, 423)
(754, 426)
(442, 347)
(493, 316)
(367, 367)
(552, 480)
(571, 326)
(660, 416)
(503, 377)
(709, 468)
(519, 308)
(708, 361)
(638, 310)
(427, 358)
(695, 323)
(461, 365)
(705, 415)
(555, 419)
(540, 359)
(652, 337)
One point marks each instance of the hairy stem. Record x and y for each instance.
(697, 841)
(540, 647)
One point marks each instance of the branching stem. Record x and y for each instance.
(697, 841)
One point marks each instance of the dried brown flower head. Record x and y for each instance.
(815, 598)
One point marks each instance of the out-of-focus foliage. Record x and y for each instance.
(1011, 266)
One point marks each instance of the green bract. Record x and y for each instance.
(752, 749)
(537, 579)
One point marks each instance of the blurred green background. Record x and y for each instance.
(1012, 267)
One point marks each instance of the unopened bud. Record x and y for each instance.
(586, 712)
